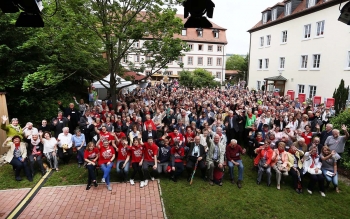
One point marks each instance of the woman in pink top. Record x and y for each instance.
(280, 162)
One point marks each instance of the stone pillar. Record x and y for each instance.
(3, 111)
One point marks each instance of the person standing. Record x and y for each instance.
(72, 114)
(59, 123)
(233, 156)
(231, 124)
(215, 158)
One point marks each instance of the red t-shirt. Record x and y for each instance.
(123, 152)
(106, 154)
(172, 135)
(136, 153)
(307, 137)
(91, 154)
(149, 151)
(150, 122)
(177, 153)
(188, 136)
(120, 135)
(105, 135)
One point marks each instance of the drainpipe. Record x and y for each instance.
(250, 47)
(223, 64)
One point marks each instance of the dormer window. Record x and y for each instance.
(311, 3)
(183, 32)
(288, 9)
(264, 18)
(216, 33)
(274, 14)
(200, 32)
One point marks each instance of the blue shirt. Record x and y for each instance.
(78, 140)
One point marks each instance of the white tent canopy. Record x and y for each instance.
(122, 83)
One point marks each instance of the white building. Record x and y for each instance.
(207, 50)
(300, 45)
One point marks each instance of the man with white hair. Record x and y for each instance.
(28, 130)
(223, 139)
(215, 158)
(233, 156)
(326, 133)
(65, 145)
(337, 142)
(231, 125)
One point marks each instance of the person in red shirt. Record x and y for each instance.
(123, 159)
(177, 166)
(233, 152)
(105, 161)
(104, 135)
(148, 122)
(136, 151)
(175, 136)
(150, 153)
(189, 136)
(307, 135)
(119, 134)
(263, 161)
(91, 156)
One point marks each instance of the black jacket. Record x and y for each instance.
(201, 151)
(145, 135)
(234, 123)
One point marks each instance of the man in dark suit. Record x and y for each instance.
(231, 125)
(280, 123)
(196, 152)
(72, 114)
(149, 133)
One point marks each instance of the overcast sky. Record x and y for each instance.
(238, 16)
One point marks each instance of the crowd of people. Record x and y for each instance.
(173, 130)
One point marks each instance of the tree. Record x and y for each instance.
(199, 78)
(120, 25)
(341, 96)
(237, 62)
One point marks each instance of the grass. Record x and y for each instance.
(204, 201)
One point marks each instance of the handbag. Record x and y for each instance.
(313, 172)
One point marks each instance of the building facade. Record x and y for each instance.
(207, 50)
(300, 45)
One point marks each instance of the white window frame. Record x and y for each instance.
(282, 63)
(218, 61)
(180, 59)
(284, 37)
(216, 34)
(218, 73)
(219, 48)
(274, 14)
(268, 40)
(266, 64)
(210, 46)
(260, 64)
(201, 46)
(316, 61)
(137, 44)
(348, 62)
(200, 33)
(137, 58)
(264, 18)
(320, 28)
(314, 91)
(304, 59)
(288, 8)
(209, 61)
(188, 60)
(125, 59)
(307, 31)
(261, 41)
(200, 63)
(258, 85)
(190, 46)
(311, 3)
(184, 32)
(303, 88)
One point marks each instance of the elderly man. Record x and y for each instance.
(65, 145)
(223, 139)
(326, 133)
(233, 156)
(149, 133)
(59, 123)
(196, 153)
(28, 130)
(216, 156)
(337, 142)
(231, 125)
(72, 114)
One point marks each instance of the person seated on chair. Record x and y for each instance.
(177, 165)
(17, 156)
(35, 152)
(215, 158)
(105, 161)
(280, 163)
(233, 156)
(65, 145)
(196, 153)
(263, 161)
(150, 159)
(91, 156)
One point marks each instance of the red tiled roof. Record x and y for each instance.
(267, 9)
(134, 75)
(300, 10)
(231, 72)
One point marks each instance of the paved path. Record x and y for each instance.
(124, 201)
(9, 199)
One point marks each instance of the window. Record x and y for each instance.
(218, 75)
(311, 3)
(304, 61)
(200, 47)
(218, 61)
(348, 65)
(219, 48)
(264, 19)
(184, 32)
(200, 32)
(320, 28)
(190, 60)
(125, 59)
(170, 62)
(267, 63)
(282, 62)
(312, 91)
(317, 59)
(168, 73)
(190, 46)
(200, 61)
(137, 44)
(261, 41)
(179, 59)
(137, 58)
(284, 36)
(274, 14)
(301, 89)
(148, 58)
(307, 31)
(260, 64)
(216, 33)
(210, 61)
(210, 48)
(268, 40)
(288, 9)
(147, 72)
(258, 85)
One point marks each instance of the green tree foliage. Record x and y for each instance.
(120, 25)
(199, 78)
(340, 95)
(237, 62)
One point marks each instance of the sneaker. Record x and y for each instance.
(310, 192)
(132, 182)
(88, 187)
(322, 194)
(152, 178)
(142, 184)
(278, 187)
(95, 183)
(103, 180)
(146, 182)
(109, 188)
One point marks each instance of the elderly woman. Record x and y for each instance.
(12, 129)
(134, 133)
(65, 145)
(280, 163)
(79, 143)
(263, 161)
(50, 149)
(105, 161)
(91, 156)
(28, 130)
(17, 156)
(329, 166)
(35, 152)
(312, 165)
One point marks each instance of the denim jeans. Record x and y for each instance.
(91, 173)
(125, 172)
(106, 171)
(81, 155)
(240, 169)
(333, 179)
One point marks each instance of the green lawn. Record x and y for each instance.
(204, 201)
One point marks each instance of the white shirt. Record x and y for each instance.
(49, 145)
(28, 132)
(65, 139)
